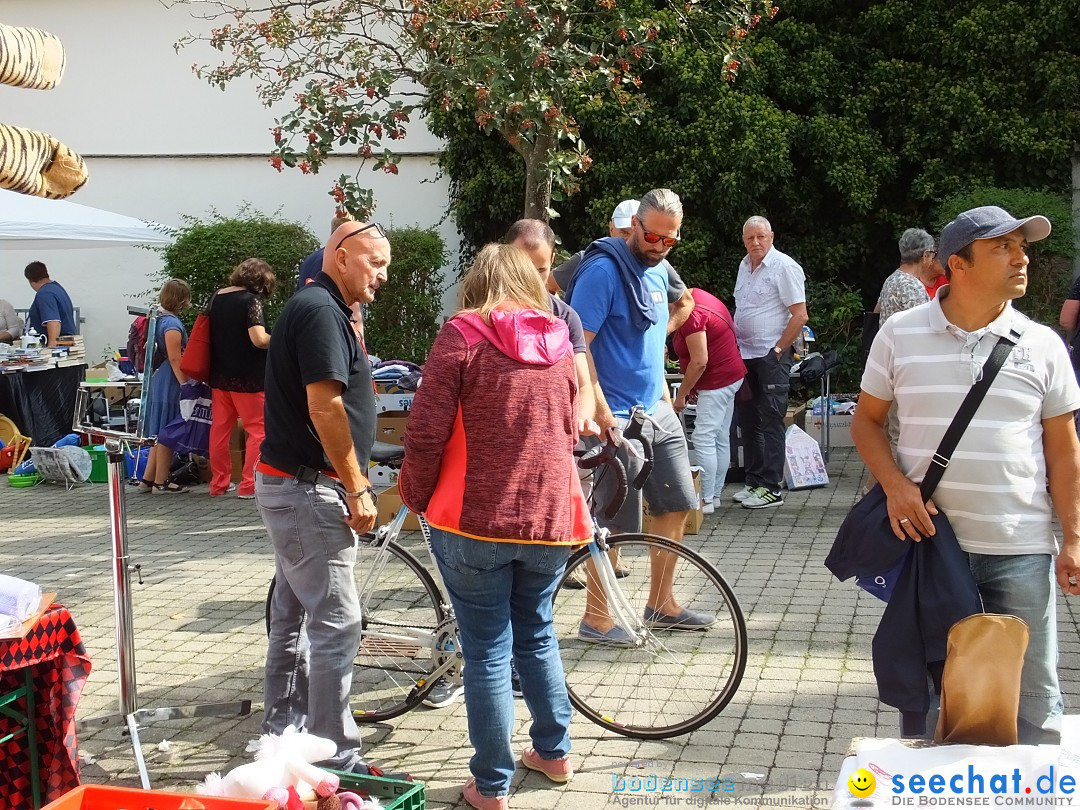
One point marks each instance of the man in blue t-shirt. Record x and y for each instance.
(620, 292)
(52, 313)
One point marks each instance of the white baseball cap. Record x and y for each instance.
(620, 217)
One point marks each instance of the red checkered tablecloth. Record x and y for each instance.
(60, 665)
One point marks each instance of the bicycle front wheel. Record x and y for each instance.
(400, 644)
(676, 680)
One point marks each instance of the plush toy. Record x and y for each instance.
(282, 763)
(33, 162)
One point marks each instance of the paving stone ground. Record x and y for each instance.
(199, 638)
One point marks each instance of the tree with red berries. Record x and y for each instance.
(360, 71)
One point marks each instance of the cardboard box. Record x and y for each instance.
(796, 415)
(839, 430)
(21, 631)
(97, 373)
(381, 475)
(400, 401)
(390, 427)
(389, 502)
(694, 518)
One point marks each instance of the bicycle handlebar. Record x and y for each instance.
(605, 454)
(638, 417)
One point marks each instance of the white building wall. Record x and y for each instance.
(160, 143)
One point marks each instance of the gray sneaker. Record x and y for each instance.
(762, 498)
(443, 693)
(742, 494)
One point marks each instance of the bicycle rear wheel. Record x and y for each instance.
(400, 636)
(677, 680)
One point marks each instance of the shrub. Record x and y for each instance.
(835, 311)
(206, 251)
(402, 322)
(1050, 271)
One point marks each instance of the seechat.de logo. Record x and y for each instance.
(861, 783)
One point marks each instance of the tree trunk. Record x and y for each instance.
(538, 179)
(1076, 206)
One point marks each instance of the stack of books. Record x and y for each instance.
(73, 344)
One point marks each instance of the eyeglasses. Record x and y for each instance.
(373, 225)
(653, 238)
(931, 253)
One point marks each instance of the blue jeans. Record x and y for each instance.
(712, 437)
(314, 615)
(502, 593)
(1023, 585)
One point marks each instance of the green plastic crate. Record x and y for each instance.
(405, 795)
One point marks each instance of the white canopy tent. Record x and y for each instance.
(33, 223)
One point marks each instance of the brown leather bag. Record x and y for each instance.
(980, 688)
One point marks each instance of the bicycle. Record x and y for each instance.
(668, 682)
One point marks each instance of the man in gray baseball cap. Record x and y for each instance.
(986, 222)
(1016, 464)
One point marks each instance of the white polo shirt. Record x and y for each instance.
(762, 301)
(994, 489)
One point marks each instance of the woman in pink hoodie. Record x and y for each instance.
(489, 462)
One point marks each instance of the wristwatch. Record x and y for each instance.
(778, 350)
(360, 492)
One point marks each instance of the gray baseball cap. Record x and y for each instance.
(987, 222)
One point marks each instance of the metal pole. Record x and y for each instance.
(125, 633)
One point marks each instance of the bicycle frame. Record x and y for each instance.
(623, 613)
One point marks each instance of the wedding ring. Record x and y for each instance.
(904, 520)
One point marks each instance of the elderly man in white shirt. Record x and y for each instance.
(11, 325)
(770, 312)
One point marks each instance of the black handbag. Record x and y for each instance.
(865, 547)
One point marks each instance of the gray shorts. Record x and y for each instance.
(670, 487)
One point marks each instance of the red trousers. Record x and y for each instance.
(227, 407)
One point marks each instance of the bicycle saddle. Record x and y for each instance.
(390, 454)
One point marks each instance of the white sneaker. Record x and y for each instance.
(742, 494)
(708, 508)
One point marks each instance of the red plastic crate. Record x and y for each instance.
(102, 797)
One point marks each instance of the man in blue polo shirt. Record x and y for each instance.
(620, 292)
(52, 313)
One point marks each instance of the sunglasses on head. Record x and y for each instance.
(371, 226)
(653, 238)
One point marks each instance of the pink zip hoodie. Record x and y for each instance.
(489, 444)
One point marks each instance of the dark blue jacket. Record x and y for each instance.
(934, 591)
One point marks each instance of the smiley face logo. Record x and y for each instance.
(862, 783)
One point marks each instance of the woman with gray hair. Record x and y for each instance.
(907, 286)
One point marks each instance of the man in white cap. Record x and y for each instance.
(680, 302)
(1018, 461)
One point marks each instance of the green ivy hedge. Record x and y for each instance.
(403, 321)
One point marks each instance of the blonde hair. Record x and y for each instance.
(175, 295)
(501, 277)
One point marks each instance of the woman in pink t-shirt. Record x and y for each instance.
(713, 372)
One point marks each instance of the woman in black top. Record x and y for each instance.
(238, 341)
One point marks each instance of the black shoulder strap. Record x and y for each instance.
(974, 398)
